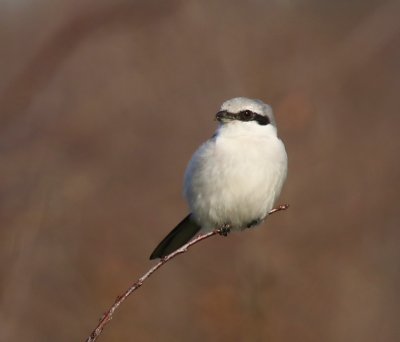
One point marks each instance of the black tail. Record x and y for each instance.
(181, 234)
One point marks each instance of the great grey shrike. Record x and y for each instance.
(234, 178)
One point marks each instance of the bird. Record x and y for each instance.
(233, 179)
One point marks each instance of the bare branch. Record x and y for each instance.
(120, 299)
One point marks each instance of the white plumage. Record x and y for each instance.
(234, 178)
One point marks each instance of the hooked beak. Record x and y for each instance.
(223, 115)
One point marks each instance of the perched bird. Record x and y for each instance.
(234, 178)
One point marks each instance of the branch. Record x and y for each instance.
(120, 299)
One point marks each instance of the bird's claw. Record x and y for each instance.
(225, 230)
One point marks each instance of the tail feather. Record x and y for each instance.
(180, 235)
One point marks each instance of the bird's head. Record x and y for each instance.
(242, 109)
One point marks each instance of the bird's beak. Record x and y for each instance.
(222, 116)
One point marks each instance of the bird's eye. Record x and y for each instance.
(247, 115)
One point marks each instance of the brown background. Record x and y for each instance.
(102, 104)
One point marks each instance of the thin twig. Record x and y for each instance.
(120, 299)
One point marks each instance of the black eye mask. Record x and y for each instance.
(244, 115)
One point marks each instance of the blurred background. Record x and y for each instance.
(102, 104)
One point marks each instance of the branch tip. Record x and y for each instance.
(108, 315)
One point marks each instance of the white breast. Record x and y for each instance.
(235, 177)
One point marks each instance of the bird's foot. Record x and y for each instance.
(225, 229)
(253, 223)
